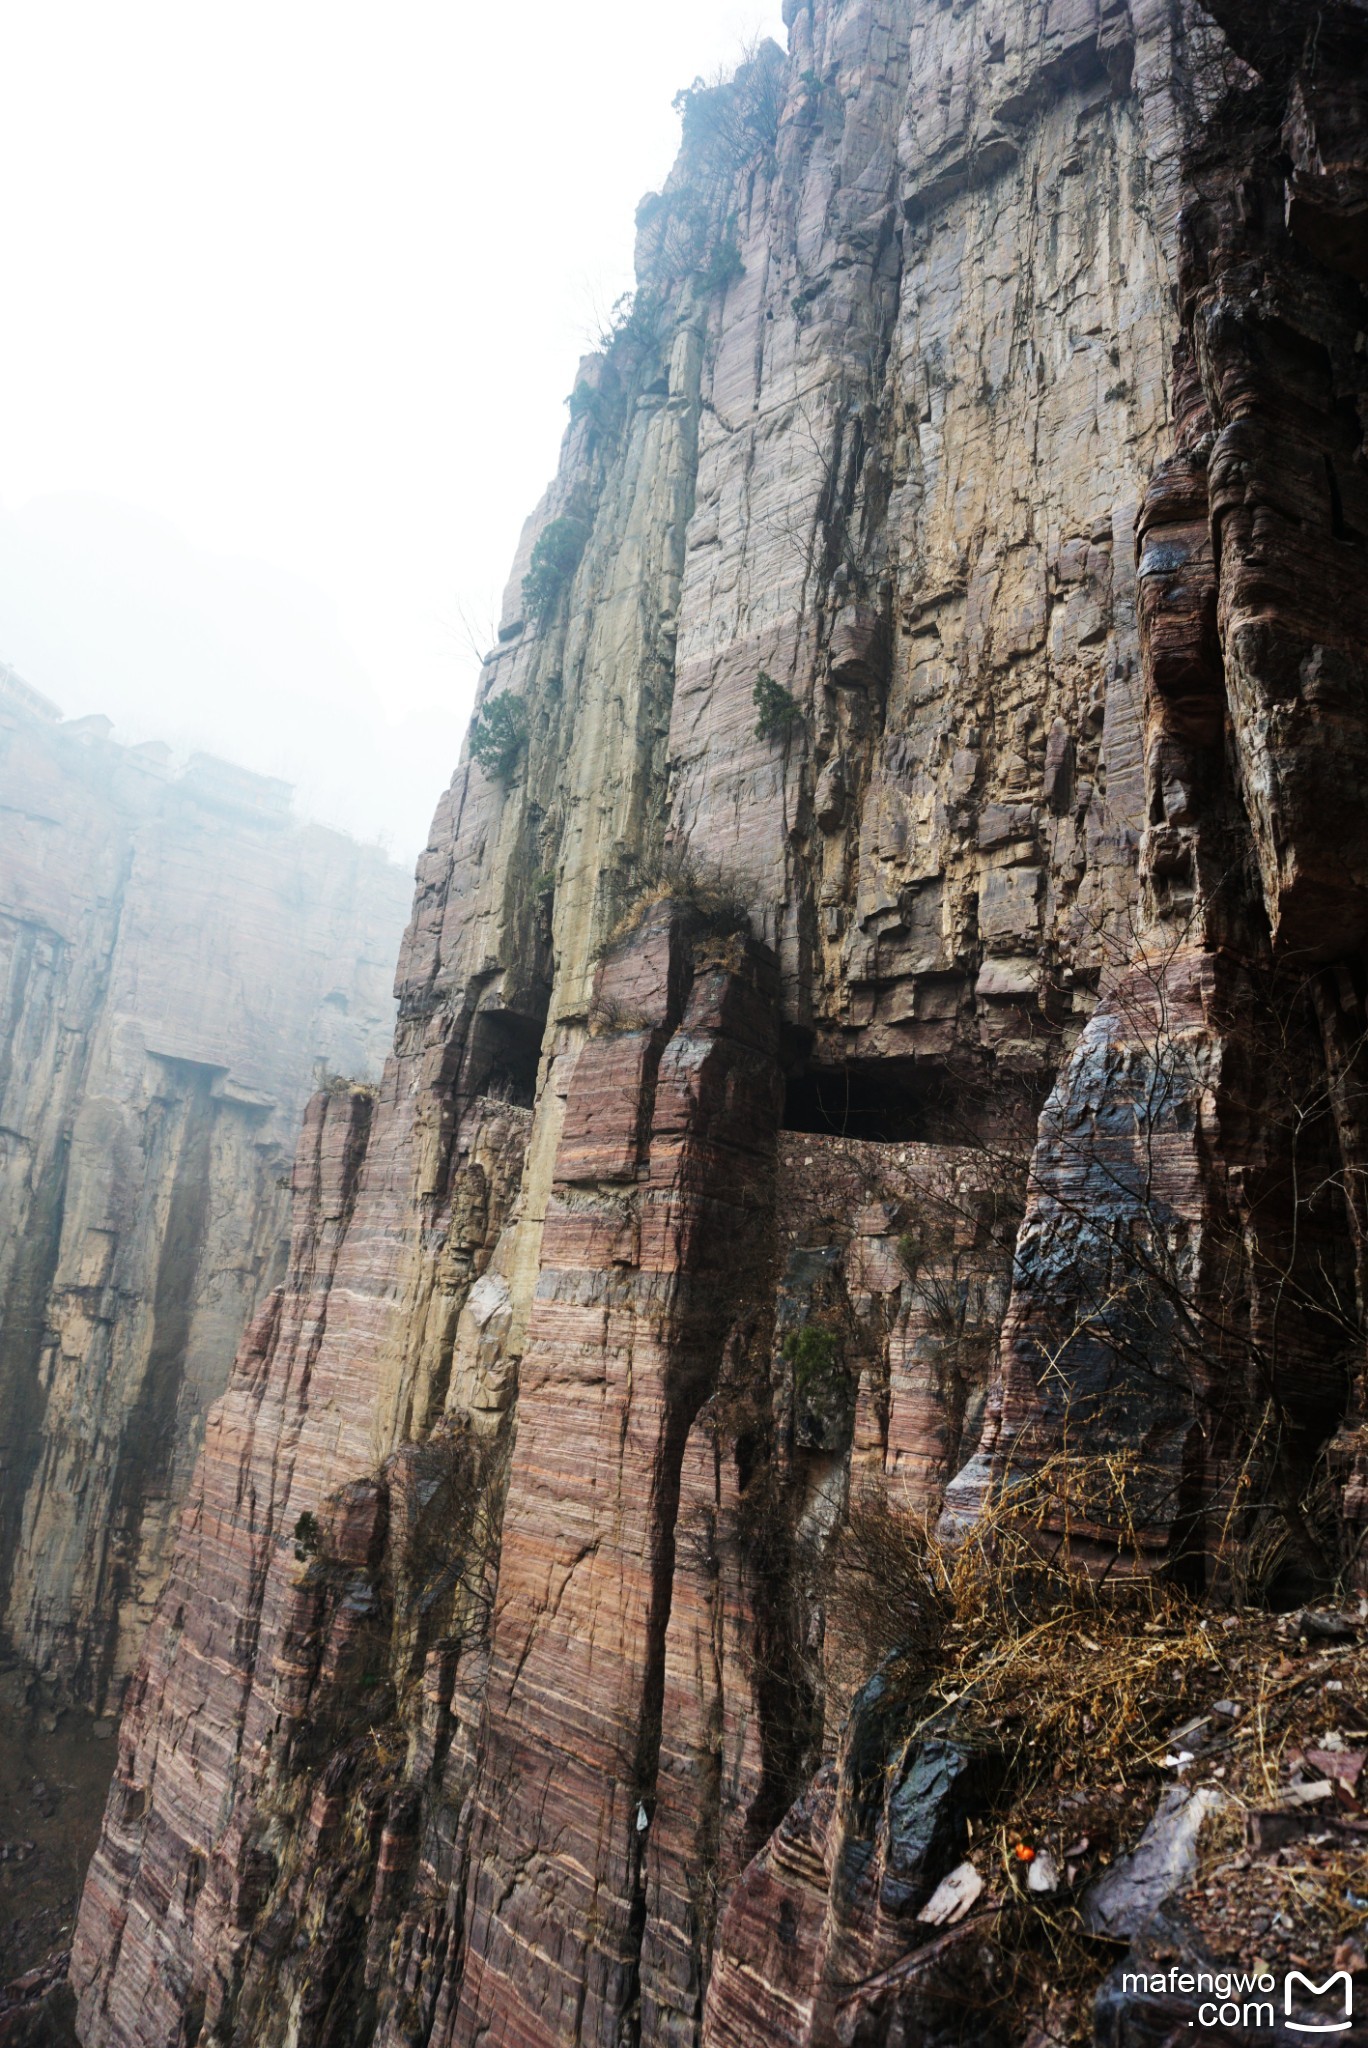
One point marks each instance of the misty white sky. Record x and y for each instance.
(293, 293)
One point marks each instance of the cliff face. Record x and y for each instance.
(989, 419)
(178, 959)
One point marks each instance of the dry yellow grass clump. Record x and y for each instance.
(1098, 1688)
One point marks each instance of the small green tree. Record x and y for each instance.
(738, 118)
(633, 324)
(498, 735)
(555, 558)
(823, 1388)
(814, 1353)
(722, 267)
(778, 715)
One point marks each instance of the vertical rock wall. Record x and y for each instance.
(984, 358)
(659, 1227)
(179, 961)
(1203, 1116)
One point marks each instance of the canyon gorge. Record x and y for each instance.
(868, 1182)
(182, 963)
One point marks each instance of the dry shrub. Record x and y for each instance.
(1087, 1681)
(344, 1084)
(1275, 1547)
(607, 1015)
(887, 1591)
(717, 902)
(1071, 1673)
(1043, 1655)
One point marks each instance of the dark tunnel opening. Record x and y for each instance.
(505, 1051)
(900, 1102)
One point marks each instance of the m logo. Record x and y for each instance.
(1344, 2005)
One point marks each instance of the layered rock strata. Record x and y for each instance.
(928, 692)
(1213, 1102)
(180, 962)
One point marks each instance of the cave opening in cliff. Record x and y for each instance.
(901, 1102)
(505, 1050)
(875, 1102)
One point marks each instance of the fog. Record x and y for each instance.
(293, 296)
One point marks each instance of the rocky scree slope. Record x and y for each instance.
(881, 1024)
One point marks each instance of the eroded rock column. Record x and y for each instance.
(657, 1228)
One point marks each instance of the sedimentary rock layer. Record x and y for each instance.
(904, 717)
(180, 964)
(1182, 1267)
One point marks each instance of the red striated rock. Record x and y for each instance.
(203, 1638)
(822, 1941)
(618, 1362)
(235, 1655)
(710, 1809)
(765, 1984)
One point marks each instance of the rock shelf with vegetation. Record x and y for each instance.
(824, 1392)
